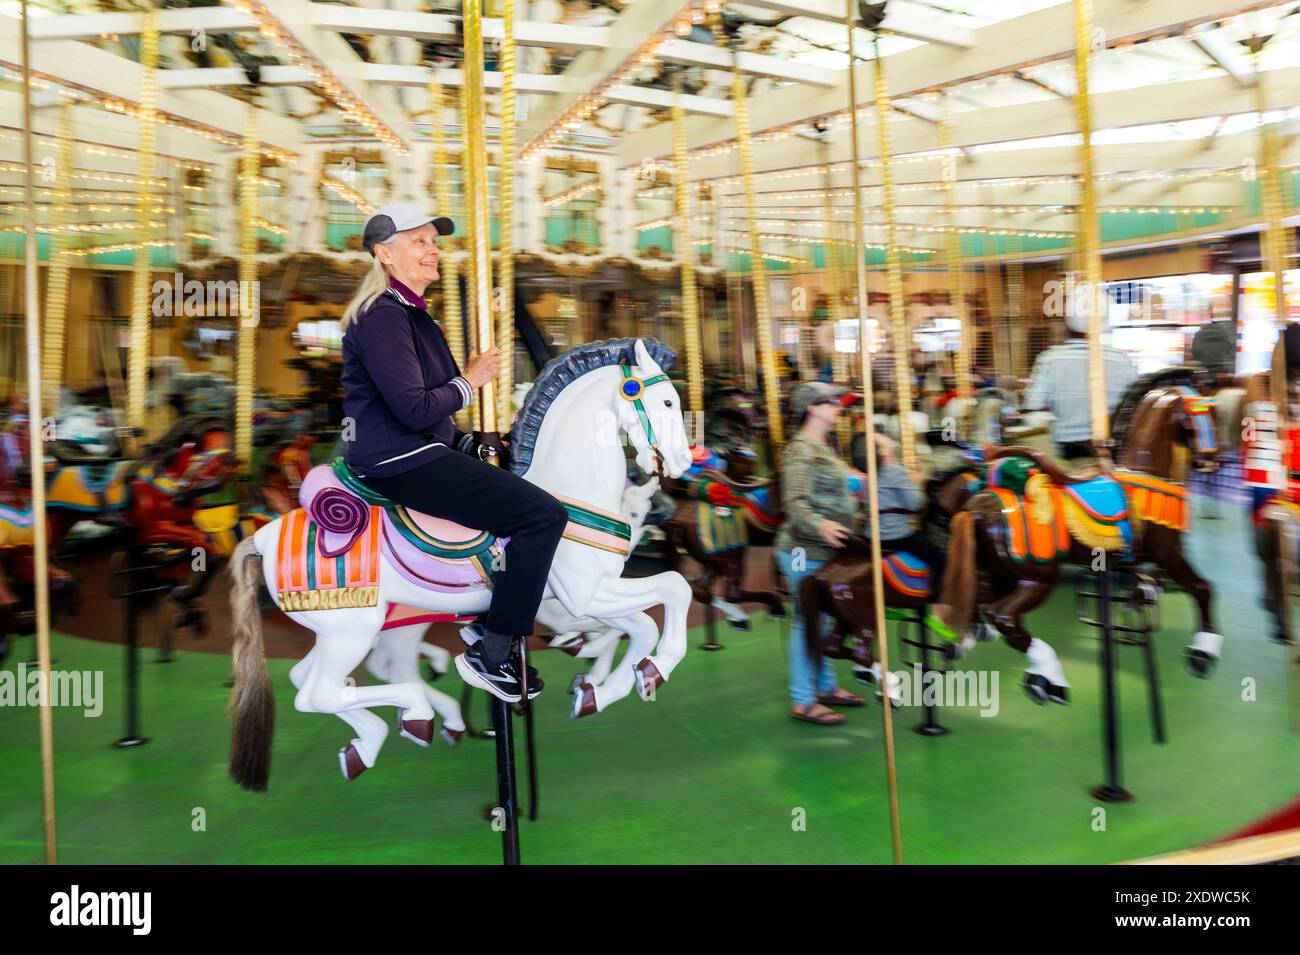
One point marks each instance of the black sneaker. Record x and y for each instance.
(502, 680)
(472, 633)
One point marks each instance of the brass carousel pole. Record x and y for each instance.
(477, 202)
(40, 549)
(249, 304)
(505, 297)
(56, 291)
(840, 370)
(956, 271)
(452, 324)
(1089, 238)
(1273, 247)
(471, 304)
(1273, 253)
(898, 331)
(1112, 789)
(868, 401)
(762, 307)
(1015, 307)
(137, 385)
(684, 242)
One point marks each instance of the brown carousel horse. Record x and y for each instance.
(722, 515)
(158, 496)
(1022, 518)
(1030, 518)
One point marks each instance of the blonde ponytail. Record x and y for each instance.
(372, 286)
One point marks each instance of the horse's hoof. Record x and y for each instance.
(648, 679)
(450, 735)
(578, 682)
(1038, 687)
(419, 732)
(584, 701)
(1199, 662)
(741, 624)
(350, 762)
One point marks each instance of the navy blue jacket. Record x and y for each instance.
(400, 387)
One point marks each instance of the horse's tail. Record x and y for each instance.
(810, 599)
(959, 574)
(252, 702)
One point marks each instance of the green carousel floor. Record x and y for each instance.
(715, 771)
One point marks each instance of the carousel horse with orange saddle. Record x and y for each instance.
(1018, 519)
(158, 496)
(724, 513)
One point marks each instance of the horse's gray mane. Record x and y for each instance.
(561, 371)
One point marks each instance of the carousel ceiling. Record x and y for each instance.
(346, 88)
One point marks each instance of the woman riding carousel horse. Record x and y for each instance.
(401, 387)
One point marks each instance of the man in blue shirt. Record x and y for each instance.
(1059, 384)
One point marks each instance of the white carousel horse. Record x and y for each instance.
(396, 656)
(568, 440)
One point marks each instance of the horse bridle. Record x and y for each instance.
(631, 389)
(1198, 408)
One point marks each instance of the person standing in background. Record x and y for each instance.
(819, 516)
(1059, 384)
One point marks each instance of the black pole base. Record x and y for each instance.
(130, 742)
(932, 729)
(1108, 793)
(712, 646)
(507, 795)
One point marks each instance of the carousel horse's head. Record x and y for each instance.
(1195, 415)
(1162, 420)
(650, 413)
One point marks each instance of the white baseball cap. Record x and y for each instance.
(386, 221)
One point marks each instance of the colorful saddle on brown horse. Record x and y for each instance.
(907, 574)
(725, 514)
(1042, 514)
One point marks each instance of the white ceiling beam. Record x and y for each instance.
(418, 76)
(591, 67)
(92, 127)
(1228, 56)
(1170, 102)
(218, 19)
(903, 19)
(88, 66)
(552, 36)
(364, 21)
(1027, 40)
(758, 64)
(663, 99)
(297, 18)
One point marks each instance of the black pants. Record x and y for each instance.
(920, 545)
(1074, 450)
(466, 490)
